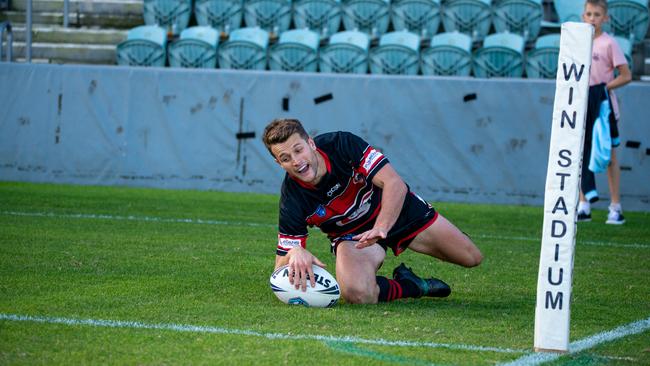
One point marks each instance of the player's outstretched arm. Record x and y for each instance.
(394, 191)
(300, 262)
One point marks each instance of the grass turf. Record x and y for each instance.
(204, 258)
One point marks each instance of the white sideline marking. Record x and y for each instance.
(134, 218)
(588, 242)
(238, 223)
(272, 336)
(584, 344)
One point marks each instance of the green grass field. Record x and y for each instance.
(98, 275)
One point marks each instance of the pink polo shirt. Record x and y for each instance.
(606, 55)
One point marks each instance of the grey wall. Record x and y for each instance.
(452, 139)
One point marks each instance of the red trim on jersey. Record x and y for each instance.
(400, 249)
(354, 229)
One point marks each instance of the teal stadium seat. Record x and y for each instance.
(472, 17)
(569, 10)
(245, 49)
(502, 55)
(347, 52)
(296, 50)
(523, 17)
(369, 16)
(450, 54)
(626, 46)
(222, 15)
(628, 18)
(541, 61)
(196, 48)
(398, 53)
(417, 16)
(271, 15)
(322, 16)
(171, 15)
(145, 45)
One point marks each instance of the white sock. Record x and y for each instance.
(615, 207)
(585, 207)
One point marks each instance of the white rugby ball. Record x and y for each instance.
(324, 295)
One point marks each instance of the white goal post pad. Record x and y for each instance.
(552, 312)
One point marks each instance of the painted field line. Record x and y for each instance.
(533, 359)
(587, 242)
(135, 218)
(243, 332)
(254, 224)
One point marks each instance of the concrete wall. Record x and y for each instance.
(452, 139)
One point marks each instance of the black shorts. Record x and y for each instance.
(415, 217)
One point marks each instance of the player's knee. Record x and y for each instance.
(473, 258)
(359, 294)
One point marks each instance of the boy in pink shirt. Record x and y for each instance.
(606, 57)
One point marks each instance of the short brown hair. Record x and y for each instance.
(601, 3)
(279, 131)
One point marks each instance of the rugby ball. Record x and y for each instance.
(324, 295)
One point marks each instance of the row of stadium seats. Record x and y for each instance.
(629, 18)
(397, 53)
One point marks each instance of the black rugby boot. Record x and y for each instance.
(431, 287)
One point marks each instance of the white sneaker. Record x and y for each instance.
(615, 217)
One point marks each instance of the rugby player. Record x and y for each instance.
(339, 183)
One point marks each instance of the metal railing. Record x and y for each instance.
(10, 40)
(29, 26)
(28, 32)
(66, 10)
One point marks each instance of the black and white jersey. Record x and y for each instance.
(345, 199)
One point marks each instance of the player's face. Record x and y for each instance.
(595, 15)
(299, 158)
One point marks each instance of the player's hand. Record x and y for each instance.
(369, 237)
(300, 267)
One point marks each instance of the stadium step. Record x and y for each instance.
(121, 7)
(120, 21)
(68, 53)
(59, 34)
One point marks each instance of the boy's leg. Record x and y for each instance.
(615, 215)
(356, 270)
(444, 241)
(614, 178)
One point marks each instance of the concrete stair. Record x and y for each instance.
(95, 28)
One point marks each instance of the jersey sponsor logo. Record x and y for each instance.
(289, 242)
(371, 159)
(333, 190)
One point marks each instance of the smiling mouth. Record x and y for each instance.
(303, 169)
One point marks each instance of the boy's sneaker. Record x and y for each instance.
(583, 216)
(431, 287)
(615, 217)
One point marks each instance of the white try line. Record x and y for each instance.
(243, 332)
(253, 224)
(584, 344)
